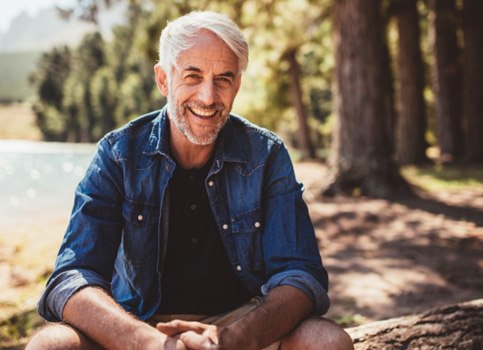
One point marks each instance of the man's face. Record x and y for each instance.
(202, 88)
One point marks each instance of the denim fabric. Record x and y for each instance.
(117, 237)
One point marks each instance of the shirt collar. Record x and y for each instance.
(158, 138)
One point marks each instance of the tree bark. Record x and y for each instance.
(304, 141)
(361, 152)
(456, 327)
(473, 78)
(411, 121)
(447, 79)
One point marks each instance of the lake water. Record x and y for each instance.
(38, 180)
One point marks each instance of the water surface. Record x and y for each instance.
(38, 180)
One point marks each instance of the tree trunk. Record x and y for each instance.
(411, 121)
(389, 110)
(456, 327)
(447, 79)
(473, 78)
(304, 142)
(361, 152)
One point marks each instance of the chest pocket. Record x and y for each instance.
(247, 229)
(140, 237)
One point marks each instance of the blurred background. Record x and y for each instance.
(379, 101)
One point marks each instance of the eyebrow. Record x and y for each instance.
(227, 74)
(192, 69)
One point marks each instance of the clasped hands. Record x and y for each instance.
(191, 335)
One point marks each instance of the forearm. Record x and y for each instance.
(282, 310)
(92, 311)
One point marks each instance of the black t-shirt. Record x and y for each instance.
(197, 277)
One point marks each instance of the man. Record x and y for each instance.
(189, 230)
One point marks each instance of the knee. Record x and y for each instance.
(57, 337)
(51, 337)
(318, 334)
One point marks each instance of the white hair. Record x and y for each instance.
(178, 36)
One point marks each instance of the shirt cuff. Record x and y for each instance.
(304, 281)
(61, 288)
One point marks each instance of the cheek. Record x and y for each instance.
(181, 93)
(227, 97)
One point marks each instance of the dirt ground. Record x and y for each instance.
(389, 259)
(385, 259)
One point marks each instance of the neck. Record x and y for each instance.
(187, 154)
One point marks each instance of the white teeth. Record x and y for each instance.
(203, 112)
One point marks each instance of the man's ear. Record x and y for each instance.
(161, 79)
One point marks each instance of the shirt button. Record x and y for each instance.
(225, 227)
(257, 224)
(193, 206)
(191, 177)
(194, 240)
(140, 217)
(238, 268)
(211, 183)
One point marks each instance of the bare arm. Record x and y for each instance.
(92, 311)
(283, 309)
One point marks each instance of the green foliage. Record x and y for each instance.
(90, 59)
(52, 72)
(104, 84)
(104, 98)
(85, 92)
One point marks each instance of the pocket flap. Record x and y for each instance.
(140, 213)
(249, 221)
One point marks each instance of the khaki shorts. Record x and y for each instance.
(218, 320)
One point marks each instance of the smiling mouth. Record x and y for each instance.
(203, 113)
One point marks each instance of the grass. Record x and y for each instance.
(439, 177)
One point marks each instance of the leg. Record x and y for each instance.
(61, 337)
(317, 333)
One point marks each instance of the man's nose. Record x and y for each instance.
(207, 92)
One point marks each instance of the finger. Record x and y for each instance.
(194, 340)
(179, 326)
(166, 329)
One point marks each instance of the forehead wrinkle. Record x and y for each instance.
(215, 66)
(228, 73)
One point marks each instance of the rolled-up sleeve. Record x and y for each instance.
(61, 288)
(291, 252)
(303, 281)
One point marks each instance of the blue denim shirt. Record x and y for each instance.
(117, 238)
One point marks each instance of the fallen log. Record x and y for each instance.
(455, 327)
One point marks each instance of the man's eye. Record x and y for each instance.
(223, 80)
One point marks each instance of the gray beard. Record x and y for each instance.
(179, 119)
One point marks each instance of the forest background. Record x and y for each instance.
(380, 102)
